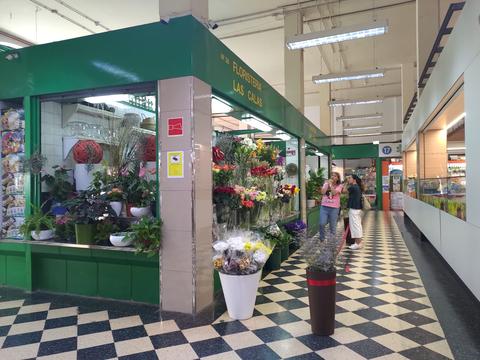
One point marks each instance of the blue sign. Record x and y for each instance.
(387, 150)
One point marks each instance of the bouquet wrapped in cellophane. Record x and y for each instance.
(241, 253)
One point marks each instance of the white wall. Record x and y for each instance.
(457, 241)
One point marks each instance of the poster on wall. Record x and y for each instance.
(175, 164)
(175, 127)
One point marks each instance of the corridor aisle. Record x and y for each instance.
(383, 312)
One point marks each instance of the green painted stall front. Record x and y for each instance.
(121, 275)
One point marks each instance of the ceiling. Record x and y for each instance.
(252, 29)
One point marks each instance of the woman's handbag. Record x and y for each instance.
(365, 203)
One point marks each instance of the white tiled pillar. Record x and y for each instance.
(186, 273)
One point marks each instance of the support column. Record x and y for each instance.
(186, 275)
(326, 118)
(294, 92)
(170, 9)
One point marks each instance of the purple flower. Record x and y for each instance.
(295, 227)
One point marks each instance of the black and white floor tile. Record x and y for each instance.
(383, 312)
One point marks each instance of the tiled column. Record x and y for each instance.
(294, 92)
(186, 274)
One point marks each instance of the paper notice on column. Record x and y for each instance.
(175, 164)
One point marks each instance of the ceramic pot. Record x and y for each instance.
(85, 233)
(240, 292)
(140, 211)
(42, 235)
(117, 207)
(118, 239)
(311, 203)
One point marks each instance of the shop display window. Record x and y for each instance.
(97, 163)
(316, 173)
(410, 170)
(12, 169)
(442, 159)
(255, 169)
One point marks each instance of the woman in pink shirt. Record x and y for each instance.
(330, 208)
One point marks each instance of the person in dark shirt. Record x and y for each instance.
(355, 210)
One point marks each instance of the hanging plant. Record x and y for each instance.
(35, 163)
(292, 169)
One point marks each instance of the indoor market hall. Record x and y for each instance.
(224, 179)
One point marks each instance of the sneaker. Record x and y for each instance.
(355, 246)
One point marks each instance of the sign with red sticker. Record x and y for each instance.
(175, 127)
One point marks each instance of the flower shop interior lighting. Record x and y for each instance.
(318, 153)
(337, 35)
(355, 75)
(360, 117)
(282, 135)
(355, 102)
(220, 107)
(106, 98)
(257, 123)
(456, 120)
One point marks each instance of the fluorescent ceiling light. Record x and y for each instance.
(456, 121)
(376, 142)
(355, 102)
(257, 123)
(369, 127)
(337, 35)
(369, 134)
(220, 106)
(11, 45)
(456, 148)
(355, 75)
(318, 153)
(360, 117)
(282, 135)
(106, 98)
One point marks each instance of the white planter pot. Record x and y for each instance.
(42, 235)
(150, 165)
(84, 177)
(117, 207)
(311, 203)
(240, 292)
(140, 211)
(117, 239)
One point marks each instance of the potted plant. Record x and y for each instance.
(121, 239)
(284, 244)
(59, 188)
(297, 230)
(321, 258)
(115, 196)
(39, 226)
(87, 209)
(87, 155)
(314, 184)
(239, 258)
(146, 235)
(141, 197)
(272, 234)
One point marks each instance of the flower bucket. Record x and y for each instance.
(85, 233)
(321, 297)
(240, 292)
(285, 252)
(275, 260)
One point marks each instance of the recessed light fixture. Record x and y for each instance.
(355, 102)
(106, 98)
(256, 123)
(360, 117)
(318, 153)
(376, 142)
(220, 106)
(366, 127)
(356, 75)
(456, 148)
(337, 35)
(456, 120)
(369, 134)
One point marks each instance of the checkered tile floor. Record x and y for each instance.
(383, 312)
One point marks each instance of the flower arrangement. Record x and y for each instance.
(217, 155)
(286, 192)
(222, 174)
(116, 194)
(273, 233)
(266, 153)
(241, 253)
(322, 256)
(263, 171)
(297, 229)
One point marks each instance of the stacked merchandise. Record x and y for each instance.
(13, 147)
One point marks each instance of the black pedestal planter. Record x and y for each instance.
(321, 297)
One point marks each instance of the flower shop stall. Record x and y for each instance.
(107, 159)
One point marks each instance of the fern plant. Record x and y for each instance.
(37, 222)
